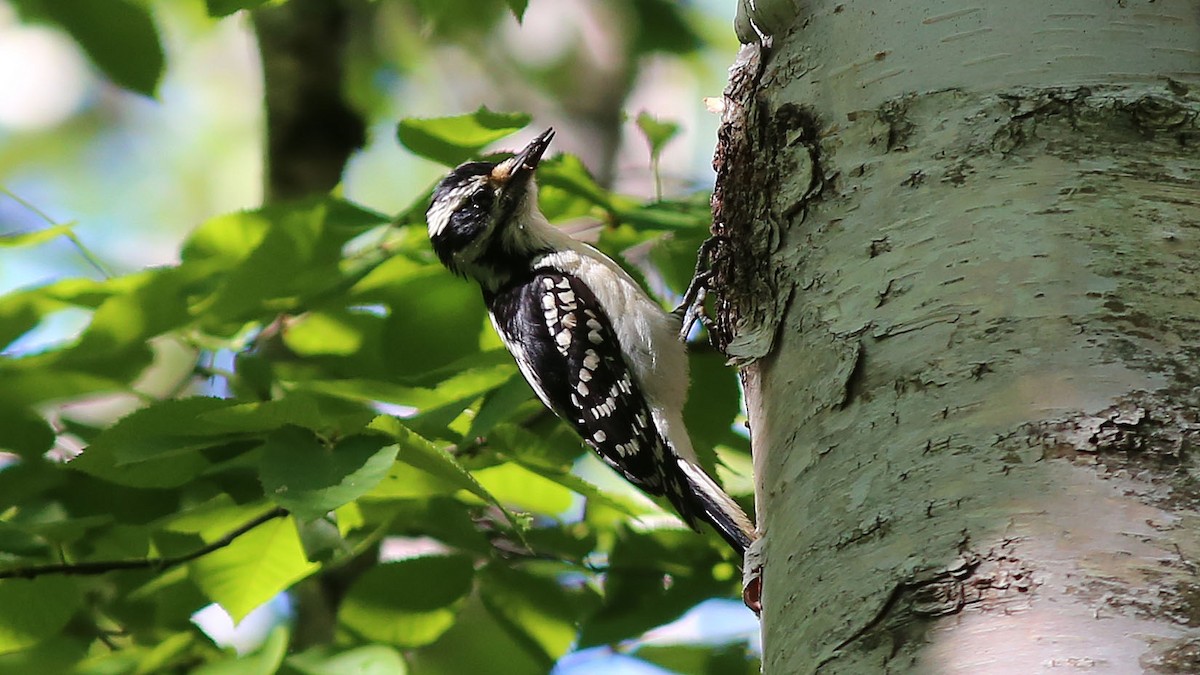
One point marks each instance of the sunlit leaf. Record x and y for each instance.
(453, 140)
(32, 610)
(368, 660)
(58, 654)
(254, 568)
(524, 490)
(469, 383)
(421, 454)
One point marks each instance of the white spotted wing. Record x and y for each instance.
(566, 348)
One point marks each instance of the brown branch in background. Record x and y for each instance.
(158, 564)
(311, 128)
(311, 131)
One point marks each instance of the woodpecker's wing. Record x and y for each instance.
(567, 350)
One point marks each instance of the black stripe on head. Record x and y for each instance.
(460, 209)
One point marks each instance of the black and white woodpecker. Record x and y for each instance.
(596, 349)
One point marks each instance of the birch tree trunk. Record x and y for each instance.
(964, 271)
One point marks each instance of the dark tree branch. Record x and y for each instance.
(311, 127)
(158, 564)
(311, 131)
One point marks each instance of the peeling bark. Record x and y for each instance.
(964, 273)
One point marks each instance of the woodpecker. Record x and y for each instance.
(595, 348)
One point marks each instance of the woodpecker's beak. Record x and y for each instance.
(516, 171)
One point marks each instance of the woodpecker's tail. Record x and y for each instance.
(707, 501)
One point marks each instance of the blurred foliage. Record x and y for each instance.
(118, 35)
(366, 395)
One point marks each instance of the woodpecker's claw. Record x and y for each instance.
(691, 309)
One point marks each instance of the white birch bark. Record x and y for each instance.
(965, 275)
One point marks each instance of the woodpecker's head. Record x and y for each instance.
(481, 216)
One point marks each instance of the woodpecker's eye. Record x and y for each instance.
(482, 200)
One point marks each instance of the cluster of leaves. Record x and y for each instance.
(368, 401)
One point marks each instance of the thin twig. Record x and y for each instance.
(159, 564)
(84, 251)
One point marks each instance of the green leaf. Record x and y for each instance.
(658, 133)
(525, 490)
(594, 495)
(445, 519)
(421, 454)
(636, 596)
(535, 610)
(570, 541)
(36, 237)
(567, 173)
(534, 449)
(499, 405)
(734, 658)
(263, 661)
(155, 302)
(54, 655)
(663, 27)
(26, 480)
(34, 610)
(160, 657)
(409, 603)
(368, 660)
(322, 540)
(406, 482)
(119, 37)
(554, 459)
(518, 8)
(710, 417)
(453, 140)
(477, 643)
(254, 568)
(310, 479)
(24, 431)
(688, 216)
(274, 257)
(330, 416)
(219, 8)
(451, 308)
(331, 332)
(468, 384)
(155, 446)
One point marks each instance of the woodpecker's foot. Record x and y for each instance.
(691, 309)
